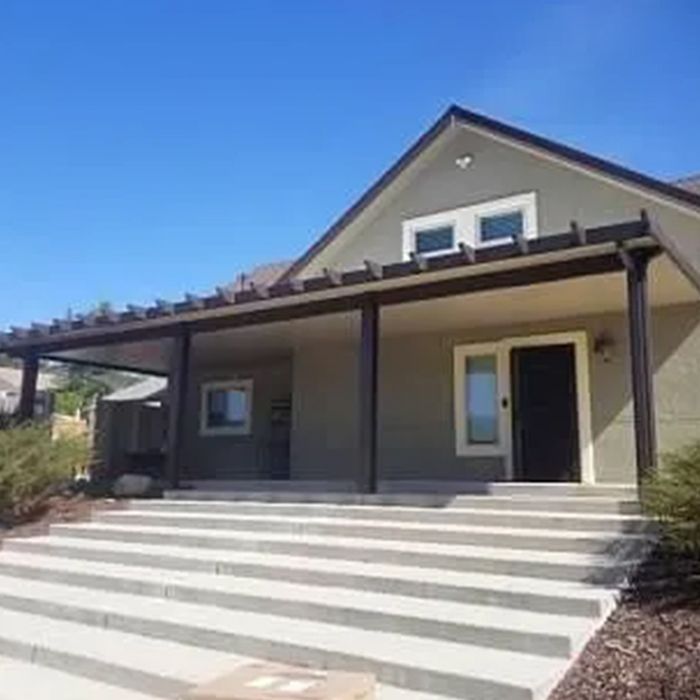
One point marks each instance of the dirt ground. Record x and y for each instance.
(649, 649)
(57, 509)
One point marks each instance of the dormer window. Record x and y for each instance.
(435, 240)
(500, 226)
(492, 222)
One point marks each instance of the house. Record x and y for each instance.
(497, 306)
(10, 388)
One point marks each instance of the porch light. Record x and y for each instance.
(603, 345)
(465, 161)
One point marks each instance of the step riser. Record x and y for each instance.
(394, 674)
(124, 677)
(417, 589)
(536, 643)
(581, 544)
(569, 572)
(504, 514)
(417, 499)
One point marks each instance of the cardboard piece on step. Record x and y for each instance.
(268, 681)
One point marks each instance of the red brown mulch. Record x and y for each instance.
(649, 649)
(56, 509)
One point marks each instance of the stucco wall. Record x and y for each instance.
(416, 437)
(234, 456)
(498, 170)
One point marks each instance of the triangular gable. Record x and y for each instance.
(684, 251)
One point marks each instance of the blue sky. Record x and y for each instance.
(153, 147)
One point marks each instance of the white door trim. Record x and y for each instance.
(501, 349)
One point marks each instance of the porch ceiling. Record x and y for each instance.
(553, 300)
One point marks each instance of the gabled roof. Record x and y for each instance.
(685, 194)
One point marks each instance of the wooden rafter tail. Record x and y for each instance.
(165, 307)
(374, 269)
(194, 301)
(468, 253)
(296, 285)
(261, 291)
(333, 276)
(137, 311)
(420, 261)
(19, 331)
(650, 226)
(41, 328)
(226, 294)
(579, 233)
(521, 241)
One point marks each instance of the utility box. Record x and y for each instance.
(268, 681)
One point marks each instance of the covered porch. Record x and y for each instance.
(411, 375)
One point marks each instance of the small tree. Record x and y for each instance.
(672, 496)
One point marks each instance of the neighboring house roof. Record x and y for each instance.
(263, 275)
(690, 183)
(455, 114)
(145, 390)
(11, 380)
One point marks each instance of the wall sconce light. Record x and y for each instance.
(603, 345)
(465, 161)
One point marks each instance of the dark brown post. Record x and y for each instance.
(178, 380)
(368, 375)
(27, 397)
(636, 263)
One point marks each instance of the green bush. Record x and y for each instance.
(672, 495)
(32, 464)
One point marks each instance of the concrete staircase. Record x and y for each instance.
(484, 597)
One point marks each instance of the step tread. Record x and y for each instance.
(396, 526)
(444, 611)
(22, 680)
(453, 550)
(505, 668)
(534, 585)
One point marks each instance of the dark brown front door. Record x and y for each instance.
(545, 420)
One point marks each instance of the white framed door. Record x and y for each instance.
(483, 402)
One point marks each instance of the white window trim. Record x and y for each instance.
(245, 385)
(465, 223)
(501, 348)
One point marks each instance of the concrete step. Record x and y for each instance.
(21, 680)
(609, 513)
(534, 594)
(555, 538)
(591, 568)
(490, 626)
(443, 668)
(427, 494)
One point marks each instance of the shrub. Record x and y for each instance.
(32, 465)
(672, 495)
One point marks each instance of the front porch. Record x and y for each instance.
(526, 362)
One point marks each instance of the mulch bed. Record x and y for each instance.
(649, 649)
(57, 509)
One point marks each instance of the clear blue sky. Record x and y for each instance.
(153, 147)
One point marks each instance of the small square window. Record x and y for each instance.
(434, 240)
(498, 226)
(226, 408)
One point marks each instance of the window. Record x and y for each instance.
(226, 408)
(488, 223)
(498, 226)
(480, 382)
(481, 400)
(434, 240)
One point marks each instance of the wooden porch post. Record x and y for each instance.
(27, 397)
(178, 380)
(368, 386)
(636, 263)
